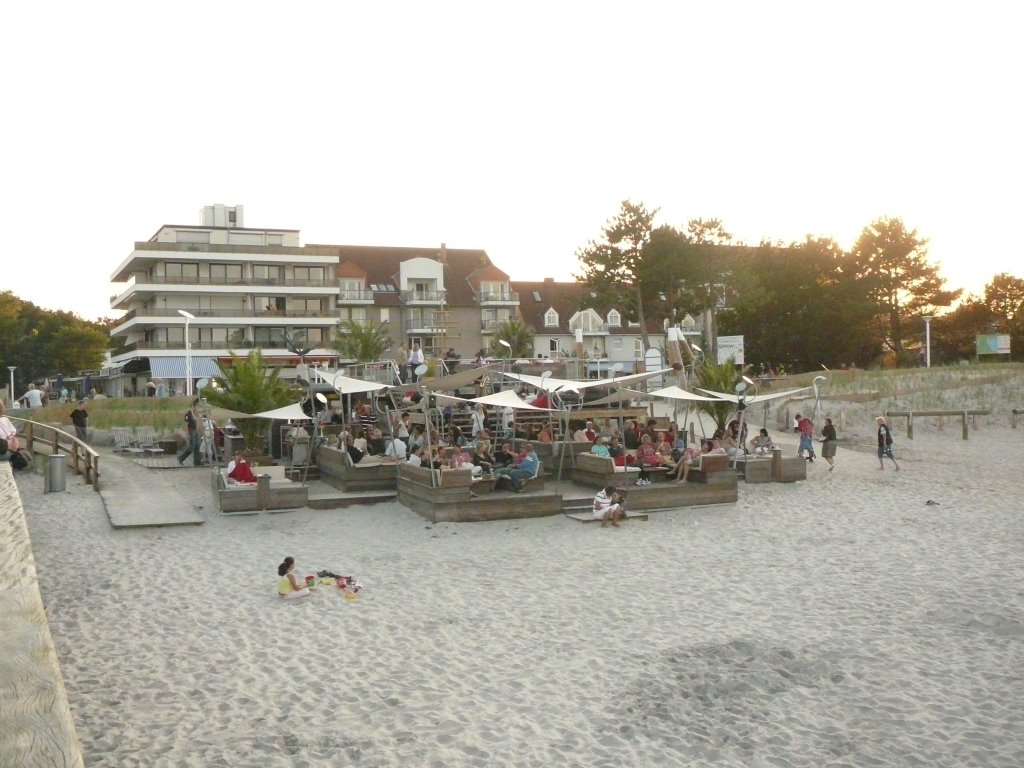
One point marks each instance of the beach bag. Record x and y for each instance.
(20, 459)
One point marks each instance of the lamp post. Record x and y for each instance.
(10, 392)
(508, 361)
(189, 317)
(741, 388)
(927, 340)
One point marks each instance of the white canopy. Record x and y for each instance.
(550, 383)
(452, 381)
(733, 398)
(346, 385)
(623, 395)
(287, 413)
(678, 393)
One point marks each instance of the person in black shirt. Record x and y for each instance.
(192, 445)
(80, 418)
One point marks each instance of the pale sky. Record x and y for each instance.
(513, 127)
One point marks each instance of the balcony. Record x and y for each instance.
(489, 326)
(346, 296)
(593, 329)
(424, 325)
(423, 297)
(499, 297)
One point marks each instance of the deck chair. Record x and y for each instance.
(145, 438)
(124, 441)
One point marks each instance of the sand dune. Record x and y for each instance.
(838, 621)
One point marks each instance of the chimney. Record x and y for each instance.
(549, 281)
(444, 254)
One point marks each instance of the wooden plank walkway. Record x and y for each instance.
(138, 497)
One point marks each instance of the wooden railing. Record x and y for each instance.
(84, 460)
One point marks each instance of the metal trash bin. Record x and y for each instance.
(56, 476)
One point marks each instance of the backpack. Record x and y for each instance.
(20, 459)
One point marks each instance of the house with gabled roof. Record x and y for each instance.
(566, 315)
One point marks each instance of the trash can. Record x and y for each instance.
(55, 474)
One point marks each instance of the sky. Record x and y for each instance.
(518, 128)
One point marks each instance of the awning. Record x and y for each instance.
(174, 367)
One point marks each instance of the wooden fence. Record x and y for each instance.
(83, 459)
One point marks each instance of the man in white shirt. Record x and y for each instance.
(395, 451)
(416, 359)
(33, 398)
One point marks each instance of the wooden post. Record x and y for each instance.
(777, 465)
(910, 425)
(964, 423)
(263, 492)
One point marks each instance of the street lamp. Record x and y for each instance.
(10, 392)
(508, 361)
(928, 340)
(189, 317)
(744, 384)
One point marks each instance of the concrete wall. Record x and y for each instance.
(36, 728)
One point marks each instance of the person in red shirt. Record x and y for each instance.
(240, 470)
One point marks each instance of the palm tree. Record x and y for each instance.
(517, 334)
(362, 343)
(718, 378)
(247, 385)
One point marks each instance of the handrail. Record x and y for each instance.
(84, 460)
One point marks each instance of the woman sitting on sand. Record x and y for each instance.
(287, 585)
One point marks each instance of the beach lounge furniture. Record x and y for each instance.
(600, 471)
(145, 438)
(373, 473)
(125, 442)
(272, 490)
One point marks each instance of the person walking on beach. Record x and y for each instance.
(828, 444)
(192, 428)
(80, 418)
(805, 427)
(885, 444)
(287, 585)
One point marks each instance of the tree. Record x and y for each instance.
(892, 264)
(363, 343)
(614, 266)
(718, 378)
(249, 386)
(517, 334)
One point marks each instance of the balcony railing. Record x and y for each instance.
(215, 313)
(424, 324)
(592, 328)
(287, 282)
(410, 297)
(506, 297)
(206, 344)
(347, 295)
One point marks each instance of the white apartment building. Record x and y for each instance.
(230, 287)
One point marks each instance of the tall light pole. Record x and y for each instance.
(508, 360)
(10, 392)
(927, 340)
(189, 317)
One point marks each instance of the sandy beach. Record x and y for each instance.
(839, 621)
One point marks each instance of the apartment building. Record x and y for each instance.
(228, 287)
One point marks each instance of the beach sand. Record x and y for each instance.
(838, 621)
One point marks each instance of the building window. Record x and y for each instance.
(493, 291)
(222, 272)
(275, 240)
(614, 319)
(269, 336)
(181, 273)
(553, 347)
(309, 274)
(617, 343)
(385, 314)
(271, 273)
(305, 306)
(354, 314)
(551, 319)
(351, 288)
(638, 348)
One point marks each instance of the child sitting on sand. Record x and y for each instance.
(287, 586)
(608, 507)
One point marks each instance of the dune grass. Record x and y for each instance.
(163, 414)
